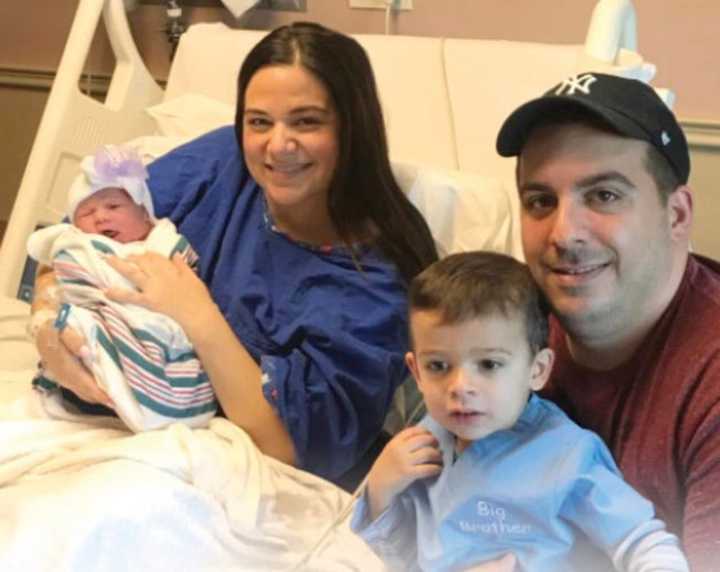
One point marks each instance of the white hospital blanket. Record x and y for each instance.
(142, 359)
(93, 496)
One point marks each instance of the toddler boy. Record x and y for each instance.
(494, 469)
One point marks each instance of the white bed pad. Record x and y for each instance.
(82, 496)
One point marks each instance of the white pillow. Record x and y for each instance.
(191, 115)
(465, 211)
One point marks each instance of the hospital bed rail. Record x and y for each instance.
(74, 124)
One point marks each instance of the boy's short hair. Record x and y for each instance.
(468, 285)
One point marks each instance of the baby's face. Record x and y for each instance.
(112, 213)
(476, 375)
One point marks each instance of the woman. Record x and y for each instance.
(306, 246)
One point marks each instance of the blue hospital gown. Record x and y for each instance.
(329, 339)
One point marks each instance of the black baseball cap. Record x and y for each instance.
(628, 106)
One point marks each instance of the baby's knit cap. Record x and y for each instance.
(111, 166)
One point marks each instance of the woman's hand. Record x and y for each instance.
(62, 354)
(165, 286)
(412, 454)
(170, 287)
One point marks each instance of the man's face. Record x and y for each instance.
(596, 235)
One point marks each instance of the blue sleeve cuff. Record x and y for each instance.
(380, 530)
(392, 535)
(602, 503)
(332, 415)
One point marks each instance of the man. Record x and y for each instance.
(602, 173)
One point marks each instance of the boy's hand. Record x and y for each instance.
(504, 564)
(412, 454)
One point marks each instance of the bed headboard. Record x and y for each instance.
(444, 99)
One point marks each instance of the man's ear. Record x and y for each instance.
(541, 368)
(680, 211)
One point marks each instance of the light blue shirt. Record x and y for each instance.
(545, 490)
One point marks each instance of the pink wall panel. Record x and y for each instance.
(680, 36)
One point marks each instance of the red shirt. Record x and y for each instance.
(659, 413)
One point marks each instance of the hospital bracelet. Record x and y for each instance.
(38, 320)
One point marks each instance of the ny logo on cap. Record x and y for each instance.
(578, 83)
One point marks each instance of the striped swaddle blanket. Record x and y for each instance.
(142, 359)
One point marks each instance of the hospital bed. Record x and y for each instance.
(206, 499)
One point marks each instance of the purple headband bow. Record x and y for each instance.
(112, 163)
